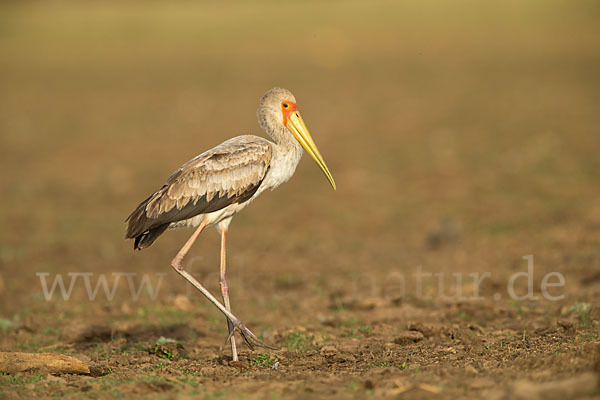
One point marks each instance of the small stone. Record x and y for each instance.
(328, 349)
(565, 324)
(408, 337)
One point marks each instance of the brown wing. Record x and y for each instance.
(227, 174)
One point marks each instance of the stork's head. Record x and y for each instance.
(278, 114)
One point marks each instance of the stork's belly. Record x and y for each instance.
(212, 218)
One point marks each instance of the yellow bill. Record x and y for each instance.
(296, 125)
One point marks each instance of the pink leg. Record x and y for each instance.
(225, 293)
(249, 337)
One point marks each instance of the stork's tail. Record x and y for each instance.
(147, 238)
(144, 230)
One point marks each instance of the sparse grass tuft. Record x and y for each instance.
(163, 348)
(155, 367)
(264, 360)
(298, 341)
(7, 324)
(465, 316)
(353, 387)
(19, 380)
(583, 310)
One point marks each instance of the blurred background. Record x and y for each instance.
(462, 135)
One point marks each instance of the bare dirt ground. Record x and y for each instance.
(462, 139)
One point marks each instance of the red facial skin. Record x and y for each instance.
(287, 108)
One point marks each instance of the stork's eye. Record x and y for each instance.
(286, 105)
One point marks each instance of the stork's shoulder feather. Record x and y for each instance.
(227, 170)
(226, 174)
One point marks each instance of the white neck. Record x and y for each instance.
(287, 153)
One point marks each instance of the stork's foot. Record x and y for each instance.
(249, 337)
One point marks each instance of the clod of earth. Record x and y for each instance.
(12, 362)
(408, 337)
